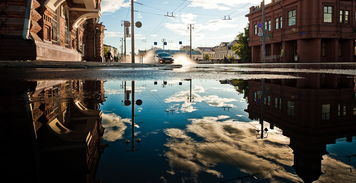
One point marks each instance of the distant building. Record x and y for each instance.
(58, 30)
(224, 50)
(207, 52)
(185, 48)
(304, 31)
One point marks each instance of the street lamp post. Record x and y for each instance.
(190, 27)
(132, 32)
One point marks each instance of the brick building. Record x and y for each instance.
(304, 31)
(312, 112)
(58, 30)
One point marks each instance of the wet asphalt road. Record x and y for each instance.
(169, 72)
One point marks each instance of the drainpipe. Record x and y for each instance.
(95, 56)
(27, 20)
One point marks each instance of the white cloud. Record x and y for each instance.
(225, 141)
(223, 4)
(113, 5)
(188, 18)
(188, 107)
(113, 34)
(115, 127)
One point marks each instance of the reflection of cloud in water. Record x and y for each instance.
(336, 171)
(138, 89)
(113, 92)
(211, 100)
(226, 141)
(114, 126)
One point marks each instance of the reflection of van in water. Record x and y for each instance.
(164, 58)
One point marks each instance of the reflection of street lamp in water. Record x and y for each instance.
(127, 102)
(190, 97)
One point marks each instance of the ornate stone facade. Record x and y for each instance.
(57, 30)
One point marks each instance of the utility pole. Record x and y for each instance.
(122, 48)
(132, 32)
(263, 55)
(164, 42)
(190, 27)
(126, 26)
(263, 47)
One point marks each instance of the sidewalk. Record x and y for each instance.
(78, 65)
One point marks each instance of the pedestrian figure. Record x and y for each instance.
(225, 60)
(108, 57)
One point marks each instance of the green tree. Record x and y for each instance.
(206, 57)
(241, 47)
(106, 50)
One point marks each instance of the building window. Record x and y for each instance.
(276, 102)
(55, 30)
(269, 100)
(341, 16)
(269, 25)
(344, 16)
(292, 17)
(265, 100)
(344, 110)
(354, 111)
(266, 26)
(280, 104)
(281, 22)
(325, 112)
(256, 29)
(290, 108)
(328, 14)
(338, 110)
(347, 15)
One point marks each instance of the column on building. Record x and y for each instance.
(308, 50)
(256, 53)
(347, 50)
(276, 51)
(289, 50)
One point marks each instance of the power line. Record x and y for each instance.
(139, 11)
(149, 6)
(164, 19)
(184, 1)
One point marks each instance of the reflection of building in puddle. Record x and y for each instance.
(60, 127)
(312, 112)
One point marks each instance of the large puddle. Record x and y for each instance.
(238, 127)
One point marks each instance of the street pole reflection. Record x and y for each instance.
(190, 97)
(132, 102)
(133, 116)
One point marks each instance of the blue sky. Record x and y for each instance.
(207, 16)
